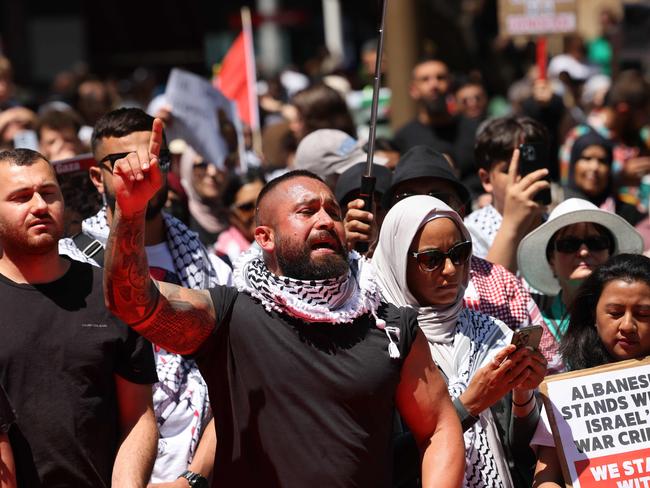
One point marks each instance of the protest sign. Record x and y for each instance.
(204, 118)
(600, 418)
(537, 17)
(79, 193)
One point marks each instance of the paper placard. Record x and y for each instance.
(600, 418)
(537, 17)
(203, 116)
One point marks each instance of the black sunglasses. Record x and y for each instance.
(449, 198)
(245, 207)
(200, 166)
(434, 258)
(164, 158)
(569, 245)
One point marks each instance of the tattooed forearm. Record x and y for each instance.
(173, 317)
(128, 288)
(184, 319)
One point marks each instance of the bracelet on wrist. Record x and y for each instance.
(532, 396)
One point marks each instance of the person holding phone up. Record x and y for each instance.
(518, 185)
(422, 262)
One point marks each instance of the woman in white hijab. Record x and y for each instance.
(422, 262)
(203, 182)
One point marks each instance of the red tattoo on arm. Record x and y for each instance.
(171, 316)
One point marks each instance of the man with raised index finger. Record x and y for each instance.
(303, 362)
(175, 254)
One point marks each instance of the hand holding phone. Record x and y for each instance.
(527, 337)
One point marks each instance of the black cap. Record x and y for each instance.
(424, 162)
(350, 180)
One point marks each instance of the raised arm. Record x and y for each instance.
(173, 317)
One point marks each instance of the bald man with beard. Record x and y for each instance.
(304, 364)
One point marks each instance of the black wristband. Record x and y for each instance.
(532, 396)
(466, 418)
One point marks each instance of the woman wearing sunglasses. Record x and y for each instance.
(239, 197)
(559, 255)
(422, 261)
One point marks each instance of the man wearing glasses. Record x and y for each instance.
(176, 256)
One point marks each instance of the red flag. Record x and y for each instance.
(236, 79)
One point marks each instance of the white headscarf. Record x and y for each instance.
(460, 341)
(400, 226)
(205, 215)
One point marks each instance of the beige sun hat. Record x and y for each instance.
(531, 254)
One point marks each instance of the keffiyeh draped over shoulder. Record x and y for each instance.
(461, 341)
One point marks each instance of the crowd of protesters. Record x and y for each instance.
(234, 336)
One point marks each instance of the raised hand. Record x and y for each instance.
(137, 177)
(508, 369)
(359, 225)
(519, 206)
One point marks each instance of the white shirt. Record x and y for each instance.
(483, 226)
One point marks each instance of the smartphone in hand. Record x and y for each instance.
(534, 156)
(527, 337)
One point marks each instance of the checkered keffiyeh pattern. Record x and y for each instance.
(483, 225)
(495, 291)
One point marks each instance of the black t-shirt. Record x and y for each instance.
(7, 416)
(60, 351)
(298, 404)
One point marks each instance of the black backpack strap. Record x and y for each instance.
(91, 247)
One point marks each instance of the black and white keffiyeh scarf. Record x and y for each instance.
(336, 300)
(191, 261)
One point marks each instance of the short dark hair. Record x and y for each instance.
(21, 157)
(58, 119)
(120, 123)
(497, 138)
(298, 173)
(581, 346)
(322, 107)
(428, 59)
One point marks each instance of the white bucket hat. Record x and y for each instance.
(531, 254)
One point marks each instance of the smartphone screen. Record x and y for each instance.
(527, 336)
(534, 156)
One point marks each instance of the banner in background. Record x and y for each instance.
(204, 118)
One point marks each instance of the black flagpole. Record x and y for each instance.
(368, 180)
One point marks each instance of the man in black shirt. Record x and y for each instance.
(433, 125)
(303, 363)
(79, 379)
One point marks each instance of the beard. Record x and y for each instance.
(295, 261)
(23, 242)
(155, 205)
(437, 110)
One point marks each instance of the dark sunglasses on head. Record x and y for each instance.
(434, 258)
(569, 245)
(449, 198)
(164, 158)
